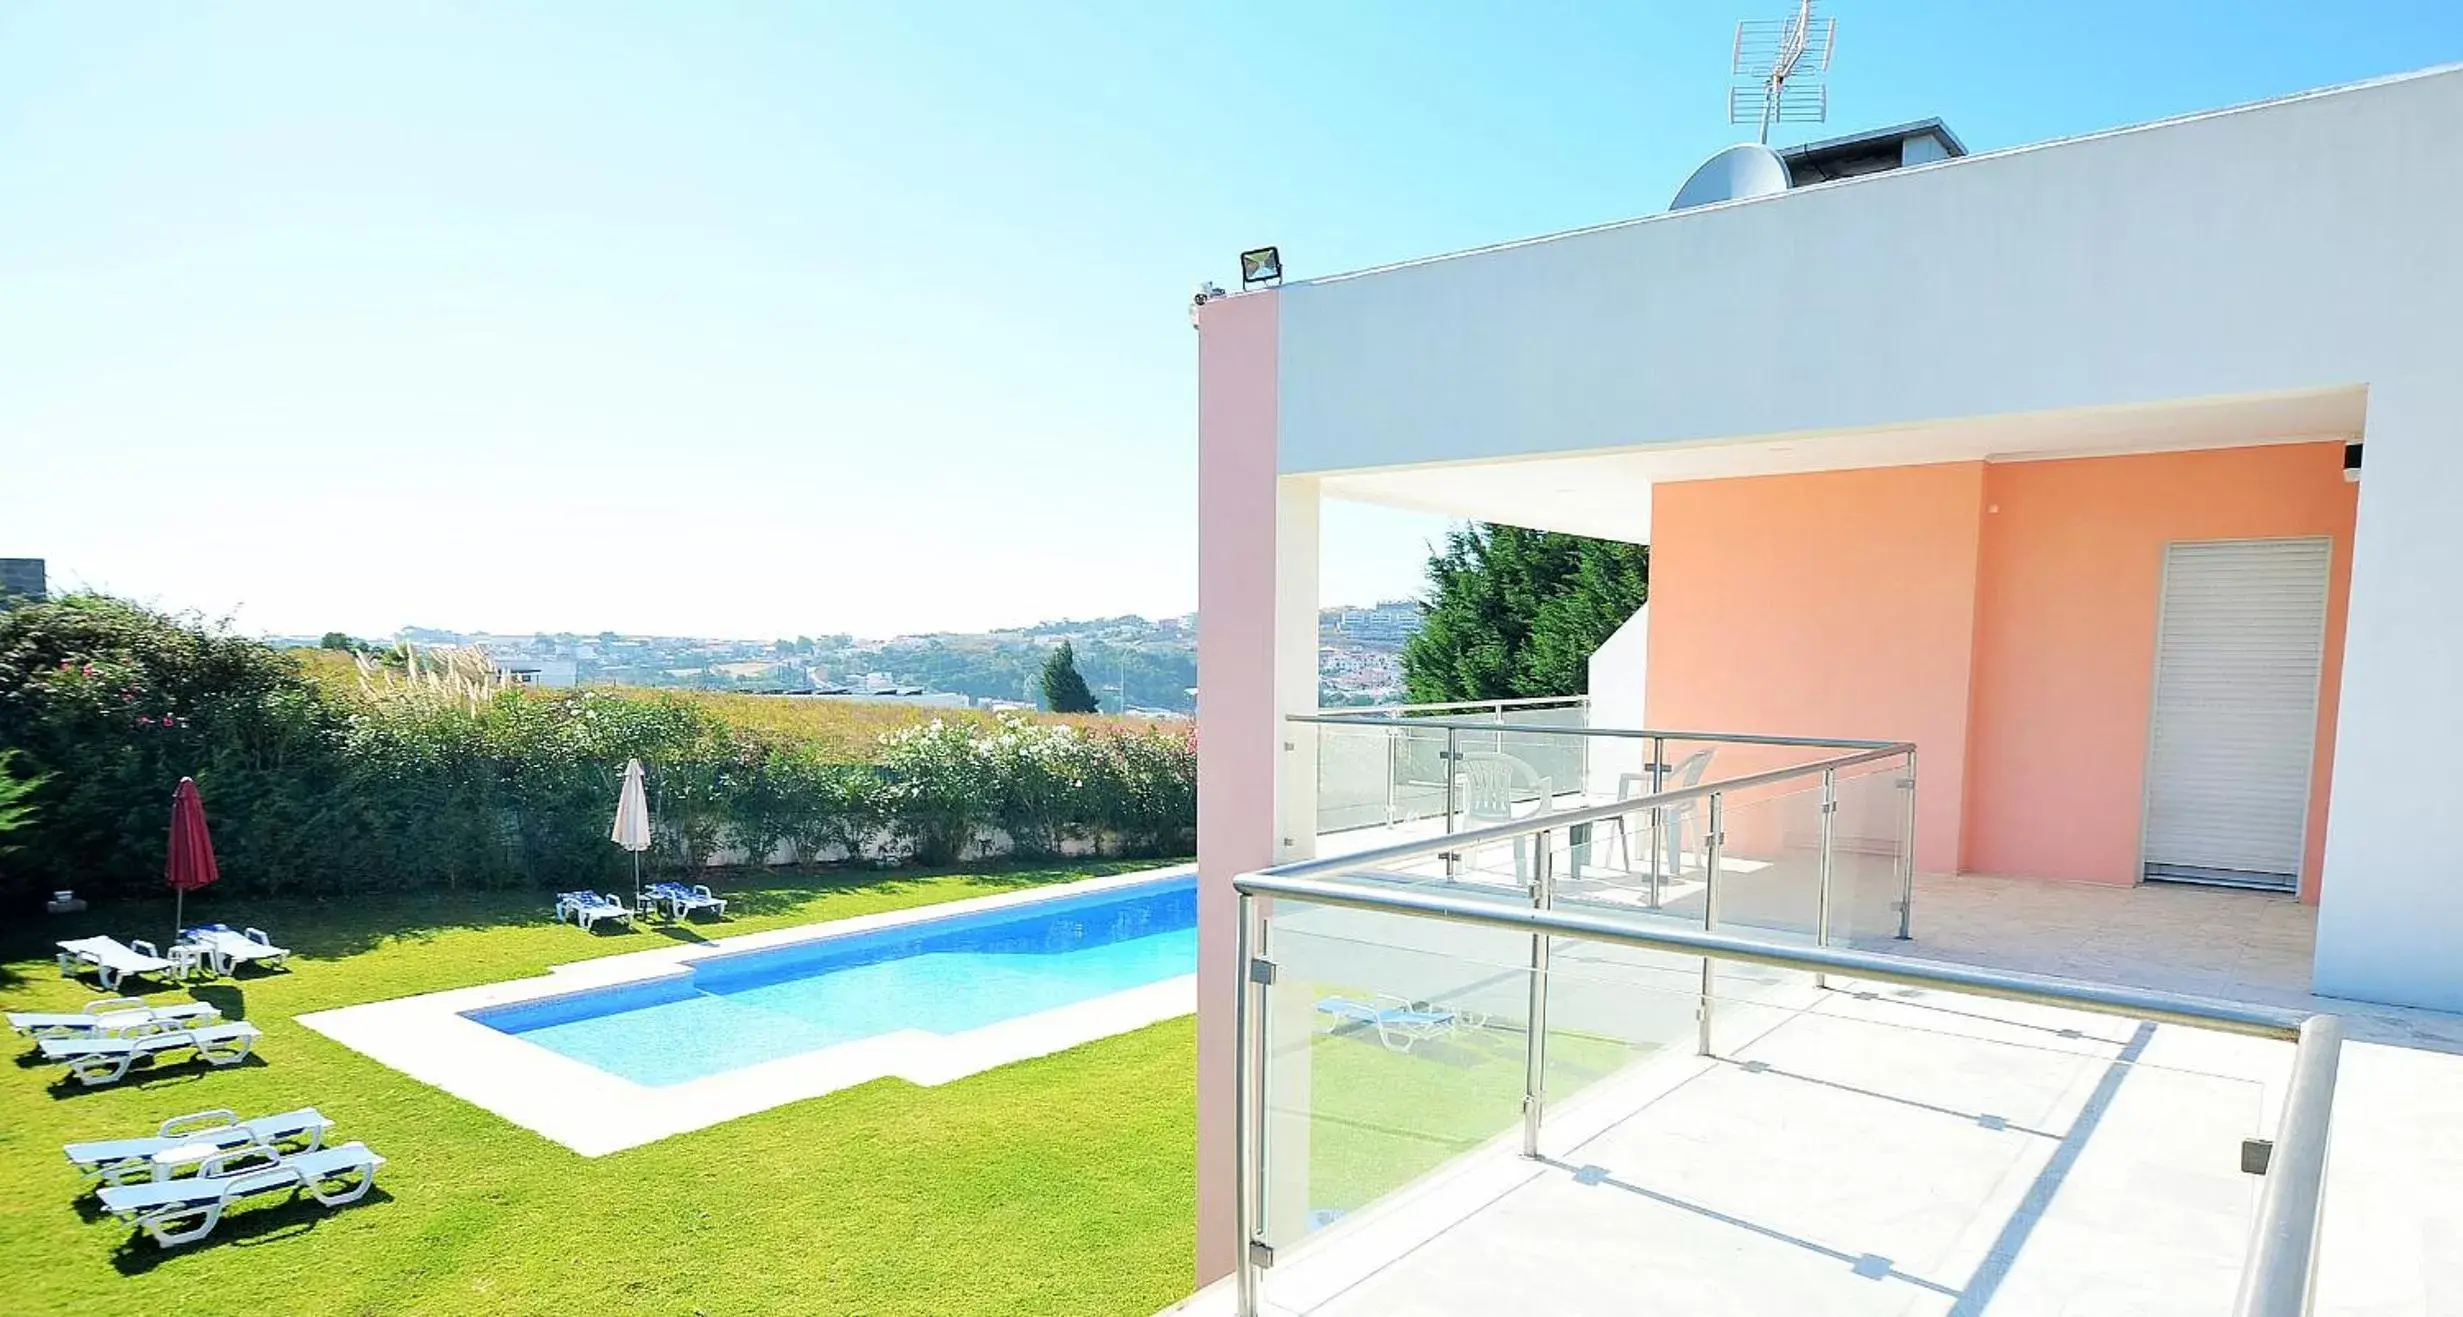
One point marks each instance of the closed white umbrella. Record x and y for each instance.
(632, 830)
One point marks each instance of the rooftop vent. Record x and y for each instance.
(1918, 143)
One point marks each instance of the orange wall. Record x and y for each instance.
(2001, 616)
(1834, 604)
(2069, 590)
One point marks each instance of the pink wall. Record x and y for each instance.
(1834, 604)
(2069, 592)
(2001, 616)
(1236, 405)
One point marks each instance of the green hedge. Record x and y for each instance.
(107, 704)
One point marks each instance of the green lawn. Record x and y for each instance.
(1064, 1185)
(1379, 1119)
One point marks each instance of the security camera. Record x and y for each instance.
(1207, 291)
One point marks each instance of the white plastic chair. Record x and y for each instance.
(1672, 818)
(1493, 787)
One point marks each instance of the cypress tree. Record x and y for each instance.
(1514, 613)
(1064, 691)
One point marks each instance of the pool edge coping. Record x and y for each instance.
(429, 1036)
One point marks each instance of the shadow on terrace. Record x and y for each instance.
(1583, 1021)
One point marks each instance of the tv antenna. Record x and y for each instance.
(1779, 64)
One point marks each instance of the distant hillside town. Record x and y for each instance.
(1133, 663)
(1360, 652)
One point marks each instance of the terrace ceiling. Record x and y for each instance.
(1607, 493)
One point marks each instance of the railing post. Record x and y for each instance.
(1535, 1041)
(1453, 795)
(2280, 1279)
(1821, 902)
(1659, 770)
(1907, 855)
(1248, 1116)
(1712, 839)
(1393, 766)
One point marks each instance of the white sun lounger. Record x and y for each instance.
(588, 908)
(185, 1210)
(107, 1060)
(1399, 1027)
(682, 900)
(112, 961)
(226, 948)
(113, 1015)
(127, 1161)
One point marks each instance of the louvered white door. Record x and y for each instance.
(2236, 708)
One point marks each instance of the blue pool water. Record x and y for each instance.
(942, 976)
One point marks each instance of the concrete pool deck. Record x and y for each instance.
(431, 1039)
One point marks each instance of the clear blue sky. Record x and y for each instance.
(771, 320)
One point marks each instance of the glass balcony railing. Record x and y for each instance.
(1384, 768)
(1522, 1067)
(1810, 852)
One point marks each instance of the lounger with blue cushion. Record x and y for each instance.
(107, 1060)
(111, 960)
(682, 900)
(113, 1015)
(226, 948)
(588, 908)
(126, 1161)
(1400, 1026)
(185, 1210)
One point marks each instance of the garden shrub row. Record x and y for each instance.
(312, 789)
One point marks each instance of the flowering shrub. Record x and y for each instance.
(947, 786)
(940, 787)
(108, 704)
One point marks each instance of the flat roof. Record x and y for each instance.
(1694, 214)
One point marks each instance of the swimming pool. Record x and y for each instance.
(940, 976)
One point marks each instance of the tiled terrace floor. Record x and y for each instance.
(2208, 941)
(2393, 1240)
(1861, 1184)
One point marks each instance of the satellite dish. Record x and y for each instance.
(1747, 169)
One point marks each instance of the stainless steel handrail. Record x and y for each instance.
(1906, 971)
(1432, 847)
(1518, 702)
(2278, 1278)
(2281, 1278)
(1361, 719)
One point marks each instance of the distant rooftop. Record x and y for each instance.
(24, 579)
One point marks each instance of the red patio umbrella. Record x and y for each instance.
(191, 865)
